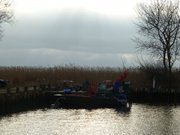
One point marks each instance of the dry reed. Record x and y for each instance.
(28, 76)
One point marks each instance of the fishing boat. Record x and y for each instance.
(105, 94)
(82, 99)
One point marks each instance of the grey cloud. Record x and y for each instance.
(77, 32)
(67, 38)
(52, 57)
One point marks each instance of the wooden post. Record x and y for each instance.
(25, 92)
(49, 86)
(35, 88)
(17, 90)
(154, 83)
(7, 91)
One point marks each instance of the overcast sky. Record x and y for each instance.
(78, 32)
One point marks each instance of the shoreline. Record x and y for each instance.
(20, 103)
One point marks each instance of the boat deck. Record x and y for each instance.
(85, 101)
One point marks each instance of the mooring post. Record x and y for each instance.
(25, 92)
(154, 83)
(26, 89)
(175, 97)
(49, 86)
(8, 91)
(35, 88)
(17, 90)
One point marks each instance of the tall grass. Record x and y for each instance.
(26, 76)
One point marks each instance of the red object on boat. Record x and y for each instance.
(123, 76)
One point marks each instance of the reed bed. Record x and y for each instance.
(29, 76)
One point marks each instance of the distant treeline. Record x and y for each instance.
(139, 78)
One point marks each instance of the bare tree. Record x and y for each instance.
(159, 23)
(6, 13)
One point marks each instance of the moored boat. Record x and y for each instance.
(105, 94)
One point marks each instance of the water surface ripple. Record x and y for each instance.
(140, 120)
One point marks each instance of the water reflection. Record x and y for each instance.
(140, 120)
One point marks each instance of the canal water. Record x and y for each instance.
(140, 120)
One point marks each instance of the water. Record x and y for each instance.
(140, 120)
